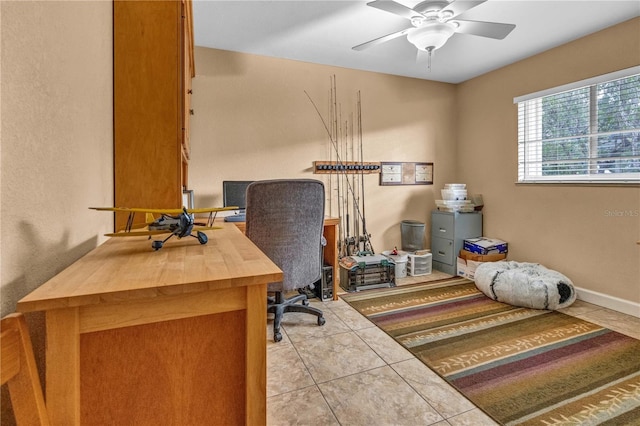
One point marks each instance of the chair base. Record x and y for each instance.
(278, 305)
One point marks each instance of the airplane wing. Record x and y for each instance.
(135, 233)
(164, 211)
(146, 232)
(212, 211)
(175, 222)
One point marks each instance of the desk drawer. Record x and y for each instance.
(442, 250)
(442, 226)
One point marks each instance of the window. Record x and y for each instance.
(585, 132)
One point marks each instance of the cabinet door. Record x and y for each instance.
(188, 67)
(147, 105)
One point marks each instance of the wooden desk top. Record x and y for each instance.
(124, 269)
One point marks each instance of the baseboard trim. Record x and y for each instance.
(609, 302)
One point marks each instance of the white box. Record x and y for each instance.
(467, 268)
(419, 264)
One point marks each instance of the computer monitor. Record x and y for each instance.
(234, 193)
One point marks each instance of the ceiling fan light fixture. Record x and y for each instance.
(445, 15)
(430, 7)
(417, 21)
(431, 36)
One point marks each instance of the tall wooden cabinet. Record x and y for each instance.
(153, 67)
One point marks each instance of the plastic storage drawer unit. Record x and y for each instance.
(419, 264)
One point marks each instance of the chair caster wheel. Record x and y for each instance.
(321, 321)
(277, 337)
(305, 302)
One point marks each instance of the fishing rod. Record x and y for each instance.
(341, 166)
(333, 136)
(356, 225)
(330, 180)
(366, 239)
(348, 136)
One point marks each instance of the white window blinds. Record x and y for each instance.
(588, 131)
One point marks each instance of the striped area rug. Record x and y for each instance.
(519, 365)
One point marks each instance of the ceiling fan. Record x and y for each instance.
(434, 22)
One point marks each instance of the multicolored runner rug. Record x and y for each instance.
(519, 365)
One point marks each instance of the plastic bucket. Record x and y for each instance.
(412, 234)
(400, 260)
(401, 268)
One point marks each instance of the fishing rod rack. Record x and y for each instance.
(348, 167)
(344, 172)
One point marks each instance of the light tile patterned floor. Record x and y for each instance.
(349, 372)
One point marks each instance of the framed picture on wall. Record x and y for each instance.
(401, 173)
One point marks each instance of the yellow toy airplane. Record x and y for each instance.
(178, 222)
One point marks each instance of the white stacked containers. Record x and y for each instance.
(419, 264)
(454, 192)
(454, 198)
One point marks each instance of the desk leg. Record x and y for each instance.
(256, 378)
(63, 366)
(331, 255)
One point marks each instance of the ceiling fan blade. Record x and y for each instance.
(460, 6)
(382, 39)
(485, 29)
(395, 8)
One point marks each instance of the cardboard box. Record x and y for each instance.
(467, 268)
(484, 245)
(467, 255)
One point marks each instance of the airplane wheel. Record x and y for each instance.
(156, 245)
(202, 237)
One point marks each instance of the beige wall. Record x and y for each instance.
(253, 121)
(57, 137)
(56, 110)
(569, 228)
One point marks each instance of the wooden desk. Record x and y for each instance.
(330, 250)
(176, 336)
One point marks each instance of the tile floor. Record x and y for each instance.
(349, 372)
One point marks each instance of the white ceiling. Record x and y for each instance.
(324, 32)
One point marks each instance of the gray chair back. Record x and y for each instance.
(284, 218)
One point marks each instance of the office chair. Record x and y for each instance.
(19, 371)
(284, 218)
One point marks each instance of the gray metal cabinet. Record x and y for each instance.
(448, 232)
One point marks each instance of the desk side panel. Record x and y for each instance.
(185, 371)
(63, 369)
(256, 355)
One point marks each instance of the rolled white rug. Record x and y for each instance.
(529, 285)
